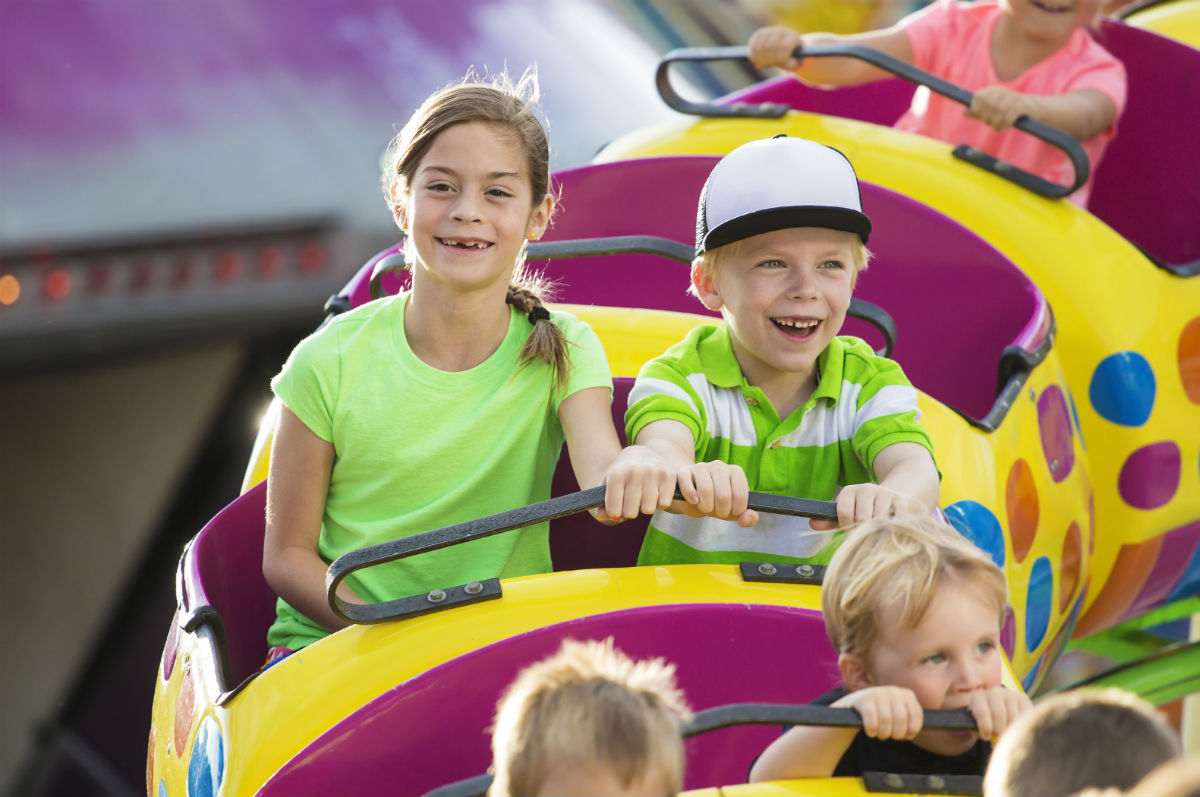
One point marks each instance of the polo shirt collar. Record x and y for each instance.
(721, 367)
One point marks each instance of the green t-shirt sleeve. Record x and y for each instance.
(887, 414)
(308, 383)
(662, 392)
(588, 363)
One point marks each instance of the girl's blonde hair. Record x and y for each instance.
(901, 559)
(711, 261)
(588, 705)
(499, 102)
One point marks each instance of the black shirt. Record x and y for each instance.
(866, 754)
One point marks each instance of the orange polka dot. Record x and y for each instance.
(1068, 568)
(1189, 359)
(1021, 501)
(185, 712)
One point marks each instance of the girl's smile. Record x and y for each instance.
(470, 209)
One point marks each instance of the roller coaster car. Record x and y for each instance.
(401, 706)
(958, 292)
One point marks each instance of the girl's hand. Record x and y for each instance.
(859, 502)
(995, 709)
(773, 46)
(716, 489)
(999, 107)
(637, 481)
(888, 712)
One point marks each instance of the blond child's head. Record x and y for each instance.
(589, 719)
(900, 561)
(911, 604)
(780, 239)
(1082, 739)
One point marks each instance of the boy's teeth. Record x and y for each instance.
(796, 324)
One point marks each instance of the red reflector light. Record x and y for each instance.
(143, 275)
(57, 284)
(181, 274)
(229, 266)
(268, 261)
(312, 258)
(99, 277)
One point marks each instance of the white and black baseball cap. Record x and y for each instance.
(776, 183)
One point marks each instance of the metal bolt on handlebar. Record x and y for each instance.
(804, 571)
(437, 596)
(767, 569)
(474, 588)
(893, 780)
(936, 782)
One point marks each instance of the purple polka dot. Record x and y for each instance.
(1150, 477)
(1054, 423)
(1008, 632)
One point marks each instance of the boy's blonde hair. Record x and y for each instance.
(711, 262)
(588, 705)
(900, 559)
(1085, 738)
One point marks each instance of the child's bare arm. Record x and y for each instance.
(908, 482)
(996, 709)
(636, 478)
(297, 482)
(1083, 114)
(714, 489)
(888, 712)
(773, 46)
(803, 752)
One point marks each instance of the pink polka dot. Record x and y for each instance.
(1150, 477)
(1008, 632)
(1189, 359)
(1068, 567)
(1054, 423)
(1021, 501)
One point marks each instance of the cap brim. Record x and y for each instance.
(742, 227)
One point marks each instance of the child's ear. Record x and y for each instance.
(539, 220)
(854, 672)
(705, 287)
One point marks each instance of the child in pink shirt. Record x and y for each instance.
(1019, 58)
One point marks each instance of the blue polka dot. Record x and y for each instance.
(206, 766)
(1189, 582)
(1037, 602)
(1075, 418)
(977, 523)
(1122, 389)
(1028, 681)
(162, 788)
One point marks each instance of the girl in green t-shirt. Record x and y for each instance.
(449, 401)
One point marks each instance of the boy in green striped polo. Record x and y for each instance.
(773, 399)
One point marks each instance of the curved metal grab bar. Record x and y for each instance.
(470, 530)
(751, 714)
(647, 245)
(1051, 135)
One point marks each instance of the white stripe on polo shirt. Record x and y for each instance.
(774, 535)
(728, 416)
(825, 426)
(649, 386)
